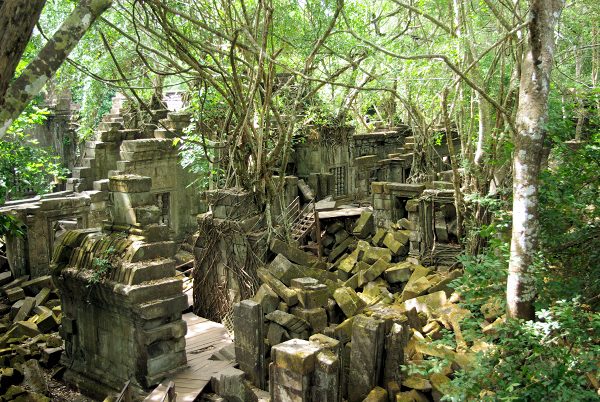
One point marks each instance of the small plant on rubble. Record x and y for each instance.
(101, 267)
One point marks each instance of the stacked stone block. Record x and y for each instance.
(304, 371)
(121, 300)
(342, 329)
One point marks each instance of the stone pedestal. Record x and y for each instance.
(304, 371)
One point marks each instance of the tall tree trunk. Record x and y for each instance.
(17, 20)
(532, 114)
(50, 58)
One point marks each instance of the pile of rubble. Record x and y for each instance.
(30, 313)
(323, 331)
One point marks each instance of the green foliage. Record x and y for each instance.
(196, 148)
(102, 266)
(95, 100)
(25, 167)
(569, 216)
(11, 226)
(544, 360)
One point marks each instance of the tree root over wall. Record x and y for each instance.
(226, 260)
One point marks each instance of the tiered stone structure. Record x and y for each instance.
(121, 301)
(146, 151)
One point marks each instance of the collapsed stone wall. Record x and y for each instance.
(341, 329)
(44, 219)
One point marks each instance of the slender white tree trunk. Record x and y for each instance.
(44, 66)
(532, 114)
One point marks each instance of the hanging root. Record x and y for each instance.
(221, 275)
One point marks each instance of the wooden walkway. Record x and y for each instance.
(203, 338)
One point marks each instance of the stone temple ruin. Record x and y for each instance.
(349, 287)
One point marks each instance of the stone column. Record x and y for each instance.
(249, 340)
(368, 338)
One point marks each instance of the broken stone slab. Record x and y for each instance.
(5, 278)
(14, 283)
(365, 226)
(303, 282)
(492, 310)
(444, 283)
(334, 228)
(292, 370)
(267, 298)
(343, 331)
(15, 294)
(371, 254)
(25, 309)
(417, 382)
(24, 328)
(10, 376)
(145, 271)
(289, 296)
(51, 357)
(375, 270)
(396, 340)
(393, 245)
(433, 330)
(427, 304)
(398, 273)
(406, 224)
(316, 317)
(45, 320)
(353, 282)
(314, 296)
(326, 377)
(229, 383)
(377, 239)
(492, 329)
(419, 271)
(327, 343)
(296, 355)
(284, 270)
(129, 184)
(328, 241)
(341, 236)
(377, 394)
(442, 351)
(276, 334)
(440, 384)
(340, 249)
(293, 254)
(289, 321)
(42, 297)
(411, 396)
(416, 288)
(348, 301)
(348, 263)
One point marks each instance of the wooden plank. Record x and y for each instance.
(203, 339)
